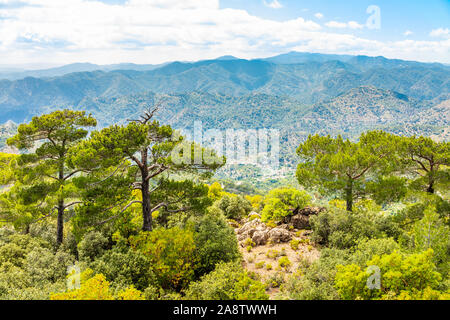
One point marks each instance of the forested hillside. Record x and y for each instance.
(115, 215)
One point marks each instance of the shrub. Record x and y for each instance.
(401, 275)
(275, 281)
(171, 253)
(294, 244)
(125, 266)
(93, 245)
(341, 229)
(279, 202)
(215, 242)
(96, 288)
(284, 262)
(233, 206)
(227, 282)
(317, 282)
(249, 242)
(272, 254)
(260, 265)
(256, 202)
(431, 232)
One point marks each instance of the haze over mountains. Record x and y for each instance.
(299, 93)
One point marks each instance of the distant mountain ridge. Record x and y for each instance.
(72, 68)
(298, 93)
(310, 82)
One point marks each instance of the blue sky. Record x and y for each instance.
(397, 16)
(54, 32)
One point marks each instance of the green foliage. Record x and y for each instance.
(338, 165)
(93, 245)
(96, 287)
(431, 233)
(144, 160)
(227, 282)
(29, 268)
(233, 206)
(279, 203)
(215, 242)
(171, 253)
(125, 267)
(428, 160)
(44, 177)
(294, 244)
(401, 277)
(284, 263)
(337, 228)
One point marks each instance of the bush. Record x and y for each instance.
(272, 254)
(294, 244)
(284, 262)
(401, 276)
(279, 202)
(97, 288)
(227, 282)
(125, 267)
(171, 253)
(93, 245)
(215, 242)
(233, 206)
(29, 268)
(317, 281)
(341, 229)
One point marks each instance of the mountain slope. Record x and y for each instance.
(311, 83)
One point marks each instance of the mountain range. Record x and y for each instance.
(299, 93)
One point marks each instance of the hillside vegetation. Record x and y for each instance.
(368, 220)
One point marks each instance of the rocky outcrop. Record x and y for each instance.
(260, 234)
(301, 219)
(249, 228)
(277, 235)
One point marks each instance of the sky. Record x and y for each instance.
(44, 33)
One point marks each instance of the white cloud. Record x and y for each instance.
(343, 25)
(155, 31)
(354, 25)
(335, 24)
(318, 15)
(275, 4)
(440, 33)
(408, 33)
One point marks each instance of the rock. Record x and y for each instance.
(260, 237)
(249, 229)
(301, 219)
(300, 222)
(278, 235)
(310, 211)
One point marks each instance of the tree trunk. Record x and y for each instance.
(145, 189)
(27, 229)
(349, 195)
(430, 188)
(146, 210)
(60, 223)
(61, 208)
